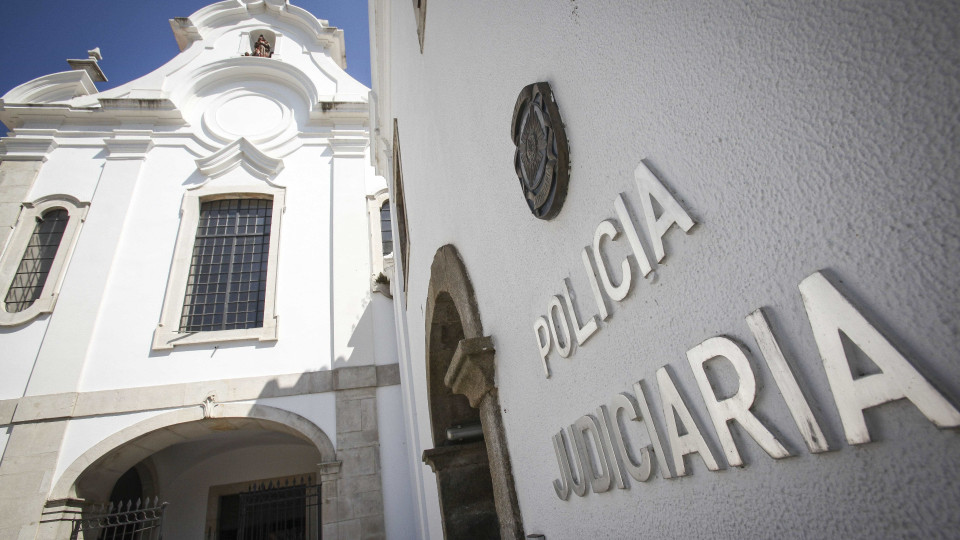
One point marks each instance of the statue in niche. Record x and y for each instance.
(261, 48)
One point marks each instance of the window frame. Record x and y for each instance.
(17, 245)
(381, 264)
(398, 213)
(168, 335)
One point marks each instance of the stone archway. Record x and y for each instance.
(461, 390)
(90, 478)
(114, 455)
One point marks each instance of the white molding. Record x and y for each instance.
(167, 334)
(129, 144)
(27, 148)
(10, 260)
(241, 152)
(380, 263)
(55, 87)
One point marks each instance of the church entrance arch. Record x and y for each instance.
(202, 457)
(470, 456)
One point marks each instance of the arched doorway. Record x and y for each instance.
(470, 455)
(205, 463)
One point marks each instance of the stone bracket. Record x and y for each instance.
(471, 370)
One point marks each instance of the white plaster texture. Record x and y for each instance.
(70, 170)
(321, 409)
(85, 433)
(399, 508)
(799, 136)
(20, 346)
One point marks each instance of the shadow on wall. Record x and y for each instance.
(361, 342)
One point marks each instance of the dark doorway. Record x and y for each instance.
(271, 513)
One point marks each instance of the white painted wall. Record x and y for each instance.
(800, 138)
(20, 350)
(82, 434)
(321, 409)
(113, 291)
(399, 504)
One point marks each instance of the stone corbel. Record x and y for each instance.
(329, 470)
(472, 368)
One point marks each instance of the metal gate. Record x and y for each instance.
(130, 521)
(288, 512)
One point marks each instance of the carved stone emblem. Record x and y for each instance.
(542, 158)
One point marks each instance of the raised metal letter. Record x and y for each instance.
(563, 484)
(564, 346)
(641, 468)
(644, 405)
(830, 313)
(599, 480)
(608, 228)
(787, 383)
(543, 341)
(584, 332)
(594, 286)
(631, 231)
(610, 448)
(691, 443)
(735, 407)
(649, 186)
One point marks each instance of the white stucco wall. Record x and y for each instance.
(399, 505)
(21, 350)
(799, 137)
(321, 409)
(84, 433)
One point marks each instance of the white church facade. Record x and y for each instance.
(194, 293)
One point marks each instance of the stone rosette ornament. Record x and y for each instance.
(542, 156)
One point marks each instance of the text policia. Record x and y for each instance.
(596, 453)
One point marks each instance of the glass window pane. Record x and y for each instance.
(233, 238)
(31, 276)
(386, 233)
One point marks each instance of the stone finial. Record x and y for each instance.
(89, 64)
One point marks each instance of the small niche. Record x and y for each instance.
(262, 43)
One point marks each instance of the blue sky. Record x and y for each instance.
(134, 36)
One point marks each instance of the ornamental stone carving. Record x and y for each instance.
(542, 157)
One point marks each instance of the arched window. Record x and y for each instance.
(386, 232)
(31, 275)
(32, 266)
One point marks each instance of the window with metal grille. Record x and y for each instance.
(35, 265)
(386, 233)
(226, 287)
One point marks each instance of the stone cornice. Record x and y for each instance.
(30, 409)
(27, 148)
(129, 144)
